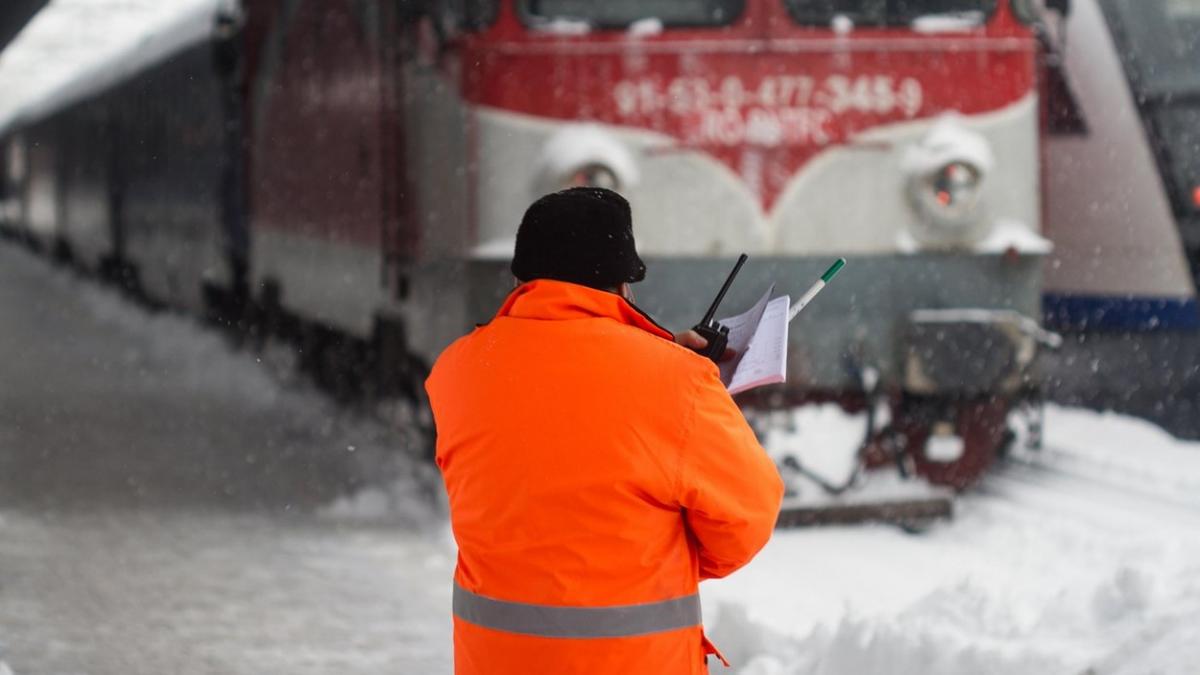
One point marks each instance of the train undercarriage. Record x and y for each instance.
(922, 442)
(926, 437)
(915, 455)
(967, 377)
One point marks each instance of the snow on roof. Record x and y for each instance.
(645, 27)
(75, 48)
(949, 140)
(957, 22)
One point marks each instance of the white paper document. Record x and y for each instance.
(759, 339)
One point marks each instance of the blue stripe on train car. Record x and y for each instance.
(1098, 312)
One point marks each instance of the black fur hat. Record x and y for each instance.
(583, 235)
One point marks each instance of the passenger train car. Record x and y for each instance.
(353, 173)
(1123, 190)
(119, 172)
(1122, 208)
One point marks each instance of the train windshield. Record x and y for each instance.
(621, 13)
(1160, 40)
(889, 12)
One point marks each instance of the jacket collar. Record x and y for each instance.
(547, 299)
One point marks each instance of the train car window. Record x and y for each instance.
(889, 12)
(1160, 45)
(622, 13)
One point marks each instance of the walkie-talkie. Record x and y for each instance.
(716, 334)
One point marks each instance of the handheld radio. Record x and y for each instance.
(712, 330)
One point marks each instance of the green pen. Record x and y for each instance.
(816, 287)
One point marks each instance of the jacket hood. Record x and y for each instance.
(550, 300)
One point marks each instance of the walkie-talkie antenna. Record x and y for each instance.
(712, 311)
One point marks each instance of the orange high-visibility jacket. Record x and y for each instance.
(596, 472)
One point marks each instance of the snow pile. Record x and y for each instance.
(1124, 453)
(1008, 235)
(563, 27)
(160, 592)
(903, 645)
(907, 244)
(170, 356)
(822, 437)
(203, 361)
(405, 500)
(645, 27)
(198, 360)
(582, 145)
(1083, 557)
(947, 142)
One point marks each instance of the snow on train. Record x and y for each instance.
(357, 171)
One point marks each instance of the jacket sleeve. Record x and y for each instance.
(730, 488)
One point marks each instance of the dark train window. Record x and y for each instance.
(479, 14)
(1160, 45)
(622, 13)
(886, 12)
(465, 15)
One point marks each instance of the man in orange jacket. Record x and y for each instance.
(597, 470)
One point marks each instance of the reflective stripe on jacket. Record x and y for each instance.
(596, 472)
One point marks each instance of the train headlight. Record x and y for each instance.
(950, 193)
(947, 171)
(593, 174)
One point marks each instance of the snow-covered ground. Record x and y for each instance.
(161, 592)
(170, 505)
(102, 401)
(1081, 558)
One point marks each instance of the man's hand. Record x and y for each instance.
(693, 340)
